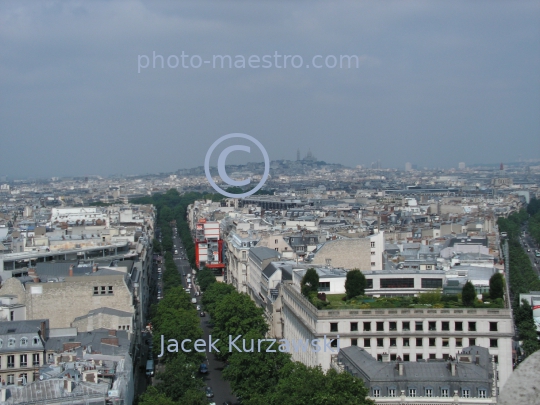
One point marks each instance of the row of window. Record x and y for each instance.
(23, 360)
(429, 392)
(10, 379)
(23, 342)
(103, 290)
(418, 326)
(419, 342)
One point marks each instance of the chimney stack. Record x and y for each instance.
(400, 368)
(453, 368)
(94, 268)
(71, 270)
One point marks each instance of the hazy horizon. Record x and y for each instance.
(437, 83)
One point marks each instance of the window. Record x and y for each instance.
(393, 342)
(429, 392)
(103, 291)
(11, 361)
(24, 378)
(472, 342)
(324, 286)
(354, 342)
(393, 325)
(244, 255)
(493, 326)
(11, 342)
(367, 342)
(376, 393)
(333, 327)
(373, 253)
(96, 290)
(432, 356)
(35, 359)
(367, 326)
(354, 326)
(369, 283)
(392, 392)
(24, 341)
(432, 342)
(406, 357)
(472, 326)
(493, 343)
(36, 341)
(276, 241)
(333, 343)
(380, 342)
(406, 342)
(1, 343)
(458, 326)
(277, 249)
(397, 282)
(419, 357)
(482, 394)
(23, 360)
(445, 325)
(459, 342)
(496, 359)
(412, 392)
(372, 244)
(50, 358)
(380, 326)
(419, 342)
(406, 326)
(110, 289)
(419, 325)
(466, 393)
(393, 357)
(431, 282)
(11, 379)
(372, 264)
(444, 392)
(432, 325)
(445, 342)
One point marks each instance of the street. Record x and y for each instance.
(213, 379)
(528, 243)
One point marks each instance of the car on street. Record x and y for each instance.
(203, 314)
(203, 368)
(209, 393)
(188, 290)
(189, 286)
(198, 307)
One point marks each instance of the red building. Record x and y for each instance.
(208, 246)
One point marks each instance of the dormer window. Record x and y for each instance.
(11, 342)
(35, 341)
(24, 341)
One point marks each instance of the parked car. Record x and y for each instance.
(203, 314)
(209, 393)
(194, 300)
(198, 307)
(203, 368)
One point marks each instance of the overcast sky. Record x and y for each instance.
(437, 83)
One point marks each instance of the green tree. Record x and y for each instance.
(496, 286)
(310, 282)
(252, 375)
(214, 294)
(355, 283)
(468, 294)
(300, 385)
(153, 396)
(205, 278)
(430, 297)
(179, 376)
(236, 314)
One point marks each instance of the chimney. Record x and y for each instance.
(385, 357)
(453, 368)
(67, 385)
(477, 359)
(112, 332)
(3, 395)
(400, 368)
(94, 268)
(71, 270)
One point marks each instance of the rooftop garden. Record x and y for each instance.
(355, 297)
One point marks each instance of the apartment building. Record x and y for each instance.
(413, 334)
(22, 350)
